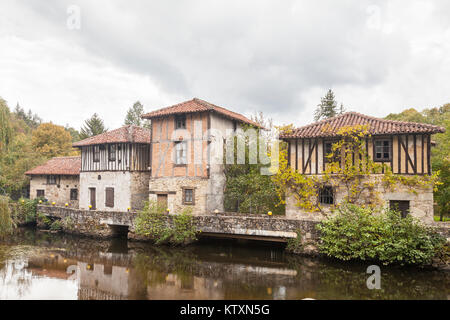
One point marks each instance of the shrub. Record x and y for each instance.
(295, 244)
(6, 221)
(183, 230)
(353, 232)
(68, 224)
(56, 225)
(26, 211)
(43, 221)
(152, 222)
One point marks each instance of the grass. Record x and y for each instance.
(438, 219)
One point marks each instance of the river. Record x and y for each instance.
(39, 265)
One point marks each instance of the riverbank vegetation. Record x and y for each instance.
(356, 233)
(6, 221)
(154, 222)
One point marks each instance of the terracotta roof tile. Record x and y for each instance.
(329, 127)
(198, 105)
(69, 166)
(126, 134)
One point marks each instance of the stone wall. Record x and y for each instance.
(421, 202)
(172, 186)
(260, 227)
(59, 193)
(139, 189)
(93, 223)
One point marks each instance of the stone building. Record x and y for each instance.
(115, 169)
(404, 146)
(57, 180)
(187, 148)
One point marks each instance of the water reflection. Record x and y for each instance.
(36, 265)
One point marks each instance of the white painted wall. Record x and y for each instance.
(216, 183)
(119, 180)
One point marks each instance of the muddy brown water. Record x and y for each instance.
(36, 265)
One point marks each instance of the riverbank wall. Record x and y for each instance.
(105, 224)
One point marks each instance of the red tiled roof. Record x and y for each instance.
(329, 127)
(69, 166)
(126, 134)
(198, 105)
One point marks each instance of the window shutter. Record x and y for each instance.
(109, 197)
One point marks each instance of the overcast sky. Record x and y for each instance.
(279, 57)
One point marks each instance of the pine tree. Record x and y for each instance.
(32, 120)
(328, 107)
(92, 127)
(134, 114)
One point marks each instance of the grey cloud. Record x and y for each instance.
(262, 55)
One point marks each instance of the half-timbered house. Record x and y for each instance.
(187, 164)
(58, 180)
(115, 169)
(403, 146)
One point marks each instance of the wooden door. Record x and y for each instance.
(162, 200)
(92, 198)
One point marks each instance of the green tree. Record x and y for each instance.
(246, 189)
(51, 140)
(32, 120)
(440, 159)
(328, 107)
(5, 126)
(134, 114)
(73, 133)
(92, 127)
(6, 222)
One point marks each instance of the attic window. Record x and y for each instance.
(180, 122)
(382, 150)
(51, 179)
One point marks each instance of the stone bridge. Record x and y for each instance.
(223, 225)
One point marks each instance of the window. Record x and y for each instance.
(96, 151)
(328, 149)
(40, 193)
(401, 206)
(180, 122)
(188, 196)
(109, 199)
(112, 152)
(180, 153)
(51, 179)
(326, 195)
(73, 194)
(382, 150)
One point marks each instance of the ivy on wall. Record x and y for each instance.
(349, 169)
